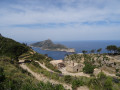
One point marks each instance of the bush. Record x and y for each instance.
(101, 75)
(94, 84)
(117, 70)
(118, 74)
(108, 84)
(68, 79)
(76, 83)
(89, 68)
(2, 76)
(35, 64)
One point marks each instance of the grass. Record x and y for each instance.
(18, 79)
(34, 66)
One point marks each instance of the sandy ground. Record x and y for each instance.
(115, 58)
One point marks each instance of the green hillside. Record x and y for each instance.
(12, 76)
(11, 48)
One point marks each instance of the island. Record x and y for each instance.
(49, 45)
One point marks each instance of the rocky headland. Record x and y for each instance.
(49, 45)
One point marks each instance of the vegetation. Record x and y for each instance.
(12, 77)
(99, 50)
(56, 76)
(89, 68)
(113, 49)
(103, 82)
(11, 48)
(77, 83)
(84, 51)
(44, 60)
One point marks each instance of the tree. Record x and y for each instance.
(99, 50)
(112, 48)
(92, 51)
(84, 51)
(89, 68)
(118, 50)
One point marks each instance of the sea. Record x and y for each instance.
(79, 46)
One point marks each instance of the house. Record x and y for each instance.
(74, 67)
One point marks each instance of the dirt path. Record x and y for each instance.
(43, 78)
(43, 66)
(97, 71)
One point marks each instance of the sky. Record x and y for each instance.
(60, 20)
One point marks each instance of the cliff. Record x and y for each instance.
(49, 45)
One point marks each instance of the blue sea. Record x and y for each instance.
(79, 46)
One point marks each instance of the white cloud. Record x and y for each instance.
(72, 13)
(85, 11)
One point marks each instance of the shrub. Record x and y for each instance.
(68, 79)
(76, 83)
(108, 84)
(118, 74)
(89, 68)
(36, 64)
(117, 70)
(2, 76)
(101, 75)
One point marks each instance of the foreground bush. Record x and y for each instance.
(77, 83)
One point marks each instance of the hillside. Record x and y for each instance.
(11, 48)
(33, 71)
(12, 75)
(49, 45)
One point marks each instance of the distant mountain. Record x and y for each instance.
(49, 45)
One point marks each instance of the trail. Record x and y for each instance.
(43, 78)
(43, 66)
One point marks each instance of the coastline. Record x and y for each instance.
(71, 50)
